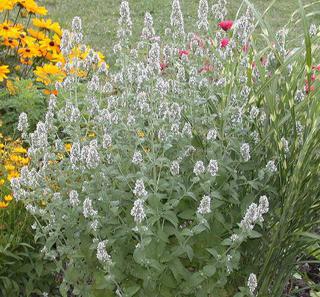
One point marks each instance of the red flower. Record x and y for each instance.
(313, 77)
(224, 42)
(183, 53)
(163, 66)
(226, 25)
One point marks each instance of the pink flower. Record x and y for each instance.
(183, 53)
(224, 42)
(226, 25)
(163, 66)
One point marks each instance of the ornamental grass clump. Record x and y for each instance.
(190, 169)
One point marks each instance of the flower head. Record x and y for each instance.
(3, 72)
(226, 25)
(23, 122)
(74, 198)
(102, 254)
(137, 158)
(203, 15)
(252, 283)
(199, 168)
(205, 205)
(213, 167)
(139, 189)
(177, 19)
(245, 152)
(175, 168)
(183, 53)
(271, 167)
(49, 73)
(137, 211)
(224, 42)
(88, 210)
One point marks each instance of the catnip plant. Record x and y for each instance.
(170, 173)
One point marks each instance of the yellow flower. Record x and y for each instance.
(9, 167)
(3, 71)
(32, 7)
(146, 149)
(12, 89)
(24, 161)
(7, 4)
(19, 150)
(26, 61)
(2, 181)
(27, 41)
(57, 57)
(3, 204)
(60, 156)
(36, 34)
(29, 52)
(140, 134)
(8, 198)
(47, 25)
(49, 73)
(13, 174)
(52, 45)
(9, 42)
(9, 31)
(68, 147)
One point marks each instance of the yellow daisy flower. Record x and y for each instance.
(47, 25)
(49, 73)
(9, 31)
(8, 198)
(9, 42)
(3, 204)
(3, 72)
(7, 5)
(29, 52)
(32, 7)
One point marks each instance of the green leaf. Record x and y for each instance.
(209, 270)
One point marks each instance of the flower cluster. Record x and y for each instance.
(13, 156)
(33, 43)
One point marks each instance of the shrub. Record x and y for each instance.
(190, 170)
(21, 95)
